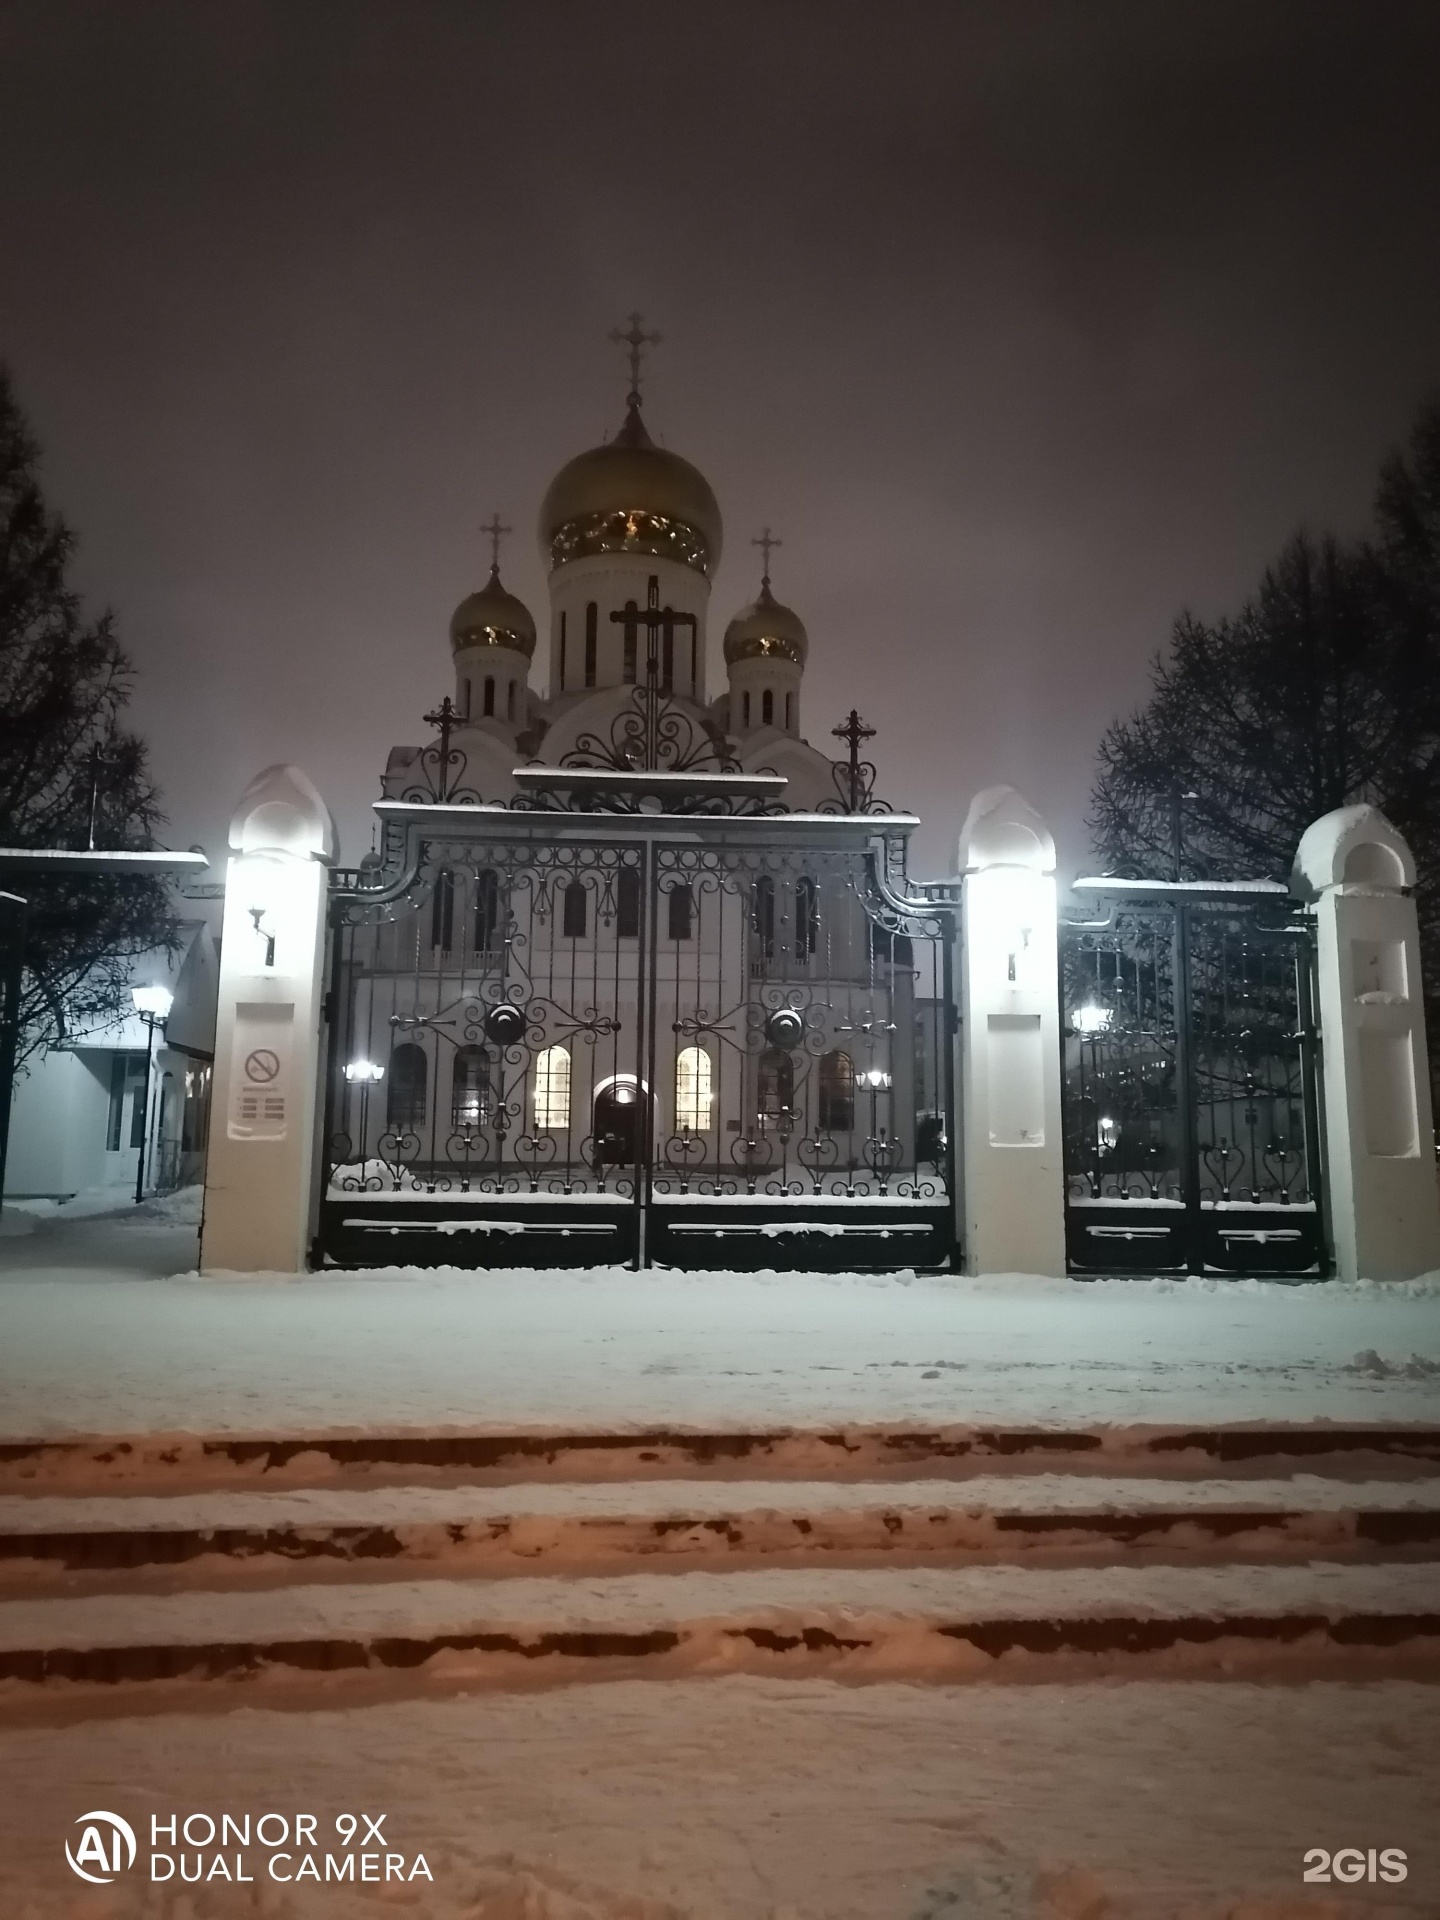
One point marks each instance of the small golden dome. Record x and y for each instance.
(765, 627)
(493, 618)
(630, 496)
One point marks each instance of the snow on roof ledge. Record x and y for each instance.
(281, 811)
(1352, 847)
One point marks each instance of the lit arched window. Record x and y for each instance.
(775, 1087)
(837, 1093)
(405, 1088)
(470, 1099)
(693, 1097)
(552, 1088)
(767, 708)
(489, 693)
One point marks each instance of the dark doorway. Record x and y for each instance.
(619, 1120)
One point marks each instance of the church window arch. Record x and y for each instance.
(471, 1096)
(767, 708)
(562, 653)
(807, 917)
(789, 709)
(627, 904)
(442, 911)
(489, 694)
(573, 913)
(745, 708)
(405, 1091)
(487, 910)
(592, 632)
(762, 910)
(510, 701)
(837, 1092)
(681, 911)
(552, 1088)
(694, 1099)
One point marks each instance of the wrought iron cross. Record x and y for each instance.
(446, 717)
(852, 732)
(636, 339)
(495, 527)
(766, 542)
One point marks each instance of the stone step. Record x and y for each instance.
(930, 1624)
(144, 1461)
(77, 1543)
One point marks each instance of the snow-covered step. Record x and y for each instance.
(156, 1461)
(338, 1533)
(929, 1623)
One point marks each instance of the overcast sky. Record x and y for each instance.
(1025, 325)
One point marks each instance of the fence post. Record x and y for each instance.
(1355, 869)
(265, 1104)
(1013, 1159)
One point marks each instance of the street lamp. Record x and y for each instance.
(153, 1005)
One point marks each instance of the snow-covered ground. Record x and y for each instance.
(102, 1350)
(753, 1799)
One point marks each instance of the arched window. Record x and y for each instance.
(487, 911)
(681, 911)
(572, 921)
(627, 904)
(632, 633)
(693, 1098)
(789, 698)
(510, 701)
(490, 694)
(552, 1088)
(837, 1093)
(807, 917)
(592, 629)
(405, 1088)
(745, 708)
(763, 915)
(562, 653)
(471, 1102)
(767, 708)
(775, 1082)
(442, 911)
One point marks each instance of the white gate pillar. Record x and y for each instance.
(1013, 1177)
(1384, 1211)
(265, 1108)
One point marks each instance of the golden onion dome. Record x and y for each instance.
(493, 618)
(766, 628)
(630, 496)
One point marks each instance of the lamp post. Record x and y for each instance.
(153, 1005)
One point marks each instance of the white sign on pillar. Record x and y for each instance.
(1355, 870)
(259, 1167)
(1012, 1158)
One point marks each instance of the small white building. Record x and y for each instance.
(83, 1113)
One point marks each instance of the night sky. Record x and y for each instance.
(1024, 325)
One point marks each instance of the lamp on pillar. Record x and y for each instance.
(153, 1005)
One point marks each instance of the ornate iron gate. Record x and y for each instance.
(571, 1039)
(1192, 1137)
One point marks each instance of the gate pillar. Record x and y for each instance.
(1384, 1212)
(1013, 1179)
(264, 1112)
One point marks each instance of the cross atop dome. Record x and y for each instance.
(637, 340)
(766, 541)
(495, 527)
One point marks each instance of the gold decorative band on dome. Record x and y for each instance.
(765, 646)
(630, 531)
(494, 637)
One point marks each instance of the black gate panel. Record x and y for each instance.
(582, 1040)
(1191, 1116)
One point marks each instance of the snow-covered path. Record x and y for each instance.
(435, 1349)
(752, 1799)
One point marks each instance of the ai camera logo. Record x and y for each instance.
(105, 1837)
